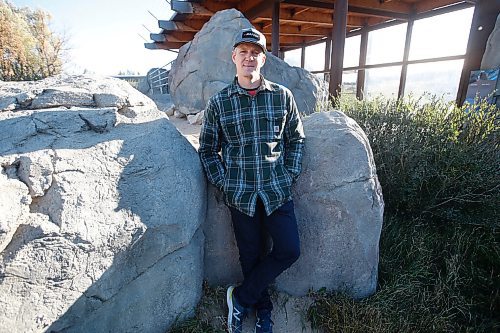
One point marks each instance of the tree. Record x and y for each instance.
(29, 50)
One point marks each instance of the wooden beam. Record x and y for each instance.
(399, 63)
(338, 43)
(303, 56)
(182, 7)
(181, 37)
(298, 30)
(186, 7)
(258, 9)
(163, 46)
(444, 10)
(286, 41)
(245, 5)
(328, 53)
(351, 9)
(363, 50)
(378, 13)
(483, 23)
(191, 26)
(157, 37)
(320, 19)
(196, 24)
(215, 6)
(297, 34)
(406, 53)
(276, 28)
(167, 25)
(394, 6)
(427, 5)
(410, 62)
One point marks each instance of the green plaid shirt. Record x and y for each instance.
(260, 139)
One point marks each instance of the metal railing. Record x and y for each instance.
(158, 79)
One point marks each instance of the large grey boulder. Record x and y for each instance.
(491, 56)
(221, 262)
(339, 208)
(94, 234)
(204, 67)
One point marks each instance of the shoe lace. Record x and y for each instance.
(264, 322)
(237, 314)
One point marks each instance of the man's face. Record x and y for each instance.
(249, 59)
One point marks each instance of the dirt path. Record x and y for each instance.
(191, 132)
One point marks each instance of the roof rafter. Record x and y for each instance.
(352, 9)
(301, 21)
(189, 26)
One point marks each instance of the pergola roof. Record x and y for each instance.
(301, 22)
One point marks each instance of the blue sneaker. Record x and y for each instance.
(236, 313)
(264, 323)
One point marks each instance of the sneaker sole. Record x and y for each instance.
(229, 298)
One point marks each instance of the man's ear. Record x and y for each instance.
(233, 56)
(263, 59)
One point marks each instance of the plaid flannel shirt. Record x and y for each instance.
(260, 138)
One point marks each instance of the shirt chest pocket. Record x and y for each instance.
(237, 128)
(275, 123)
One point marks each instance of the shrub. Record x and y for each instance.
(432, 279)
(433, 158)
(439, 270)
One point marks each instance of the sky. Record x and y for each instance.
(103, 36)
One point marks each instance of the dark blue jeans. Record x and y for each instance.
(259, 271)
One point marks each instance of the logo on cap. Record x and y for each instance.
(250, 34)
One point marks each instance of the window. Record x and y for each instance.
(441, 36)
(349, 80)
(438, 78)
(383, 81)
(315, 57)
(293, 57)
(386, 45)
(351, 51)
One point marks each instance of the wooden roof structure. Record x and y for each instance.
(292, 24)
(300, 21)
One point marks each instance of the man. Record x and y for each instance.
(255, 125)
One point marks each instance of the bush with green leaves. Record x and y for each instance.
(433, 158)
